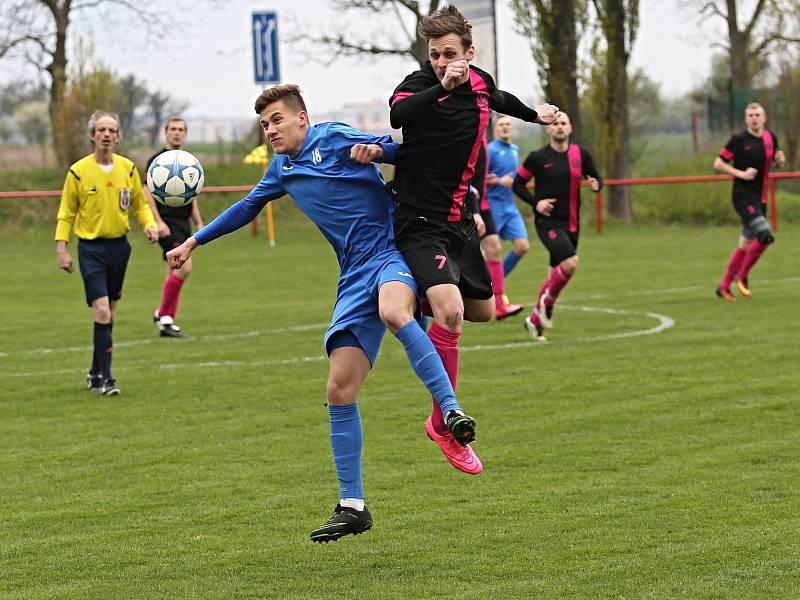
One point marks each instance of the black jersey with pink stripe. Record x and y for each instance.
(442, 134)
(746, 150)
(557, 175)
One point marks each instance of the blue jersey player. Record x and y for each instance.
(327, 170)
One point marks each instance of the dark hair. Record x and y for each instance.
(444, 21)
(289, 93)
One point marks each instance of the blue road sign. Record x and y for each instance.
(266, 67)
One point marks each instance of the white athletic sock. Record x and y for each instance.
(357, 503)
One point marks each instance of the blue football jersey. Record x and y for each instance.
(346, 200)
(503, 159)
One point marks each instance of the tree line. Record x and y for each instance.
(757, 60)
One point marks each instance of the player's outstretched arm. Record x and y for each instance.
(508, 104)
(178, 256)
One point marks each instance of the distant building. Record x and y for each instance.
(211, 129)
(371, 117)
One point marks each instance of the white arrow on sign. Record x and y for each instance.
(259, 50)
(268, 41)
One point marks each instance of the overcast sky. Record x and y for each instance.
(209, 63)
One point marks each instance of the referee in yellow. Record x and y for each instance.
(99, 191)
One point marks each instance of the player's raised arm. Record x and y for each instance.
(508, 104)
(411, 102)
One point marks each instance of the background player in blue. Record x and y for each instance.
(503, 164)
(747, 157)
(490, 242)
(319, 166)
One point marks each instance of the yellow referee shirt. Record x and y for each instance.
(96, 203)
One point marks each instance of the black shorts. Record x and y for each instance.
(440, 251)
(560, 242)
(488, 220)
(749, 209)
(179, 232)
(103, 263)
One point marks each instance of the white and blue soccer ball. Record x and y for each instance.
(175, 177)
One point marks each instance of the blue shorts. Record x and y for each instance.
(103, 263)
(356, 309)
(508, 220)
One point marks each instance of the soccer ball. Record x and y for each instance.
(175, 177)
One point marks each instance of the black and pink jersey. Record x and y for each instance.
(746, 150)
(443, 132)
(557, 175)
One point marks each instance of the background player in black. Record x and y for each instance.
(443, 110)
(173, 229)
(558, 168)
(752, 153)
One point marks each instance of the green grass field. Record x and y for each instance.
(629, 457)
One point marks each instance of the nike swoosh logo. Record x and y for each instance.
(548, 165)
(289, 168)
(443, 98)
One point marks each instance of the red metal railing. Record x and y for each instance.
(773, 177)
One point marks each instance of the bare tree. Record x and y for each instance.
(748, 44)
(619, 23)
(400, 39)
(554, 28)
(37, 31)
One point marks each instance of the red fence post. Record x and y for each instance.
(598, 201)
(773, 205)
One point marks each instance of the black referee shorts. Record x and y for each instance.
(103, 263)
(560, 242)
(179, 232)
(440, 251)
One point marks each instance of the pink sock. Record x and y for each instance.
(734, 264)
(754, 252)
(558, 280)
(498, 286)
(170, 296)
(446, 344)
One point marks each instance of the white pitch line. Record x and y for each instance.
(673, 290)
(230, 336)
(664, 322)
(155, 339)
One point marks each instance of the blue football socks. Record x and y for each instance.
(511, 260)
(427, 365)
(346, 443)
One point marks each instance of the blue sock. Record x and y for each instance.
(346, 443)
(511, 260)
(427, 365)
